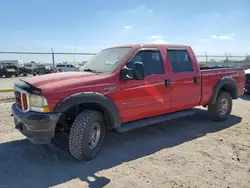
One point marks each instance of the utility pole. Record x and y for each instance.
(53, 57)
(74, 58)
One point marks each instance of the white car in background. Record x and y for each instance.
(66, 67)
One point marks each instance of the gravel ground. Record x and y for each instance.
(188, 152)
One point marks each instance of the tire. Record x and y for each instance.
(24, 74)
(79, 138)
(218, 111)
(16, 75)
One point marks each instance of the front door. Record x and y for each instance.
(149, 97)
(185, 80)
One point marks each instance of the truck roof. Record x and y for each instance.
(153, 46)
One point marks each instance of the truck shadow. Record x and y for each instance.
(23, 164)
(245, 97)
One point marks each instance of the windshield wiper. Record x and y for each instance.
(91, 70)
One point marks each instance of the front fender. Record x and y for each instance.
(105, 102)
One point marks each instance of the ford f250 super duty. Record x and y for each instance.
(122, 88)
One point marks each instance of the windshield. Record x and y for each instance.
(107, 60)
(10, 66)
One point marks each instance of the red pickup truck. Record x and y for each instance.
(122, 88)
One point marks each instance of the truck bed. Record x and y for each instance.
(211, 75)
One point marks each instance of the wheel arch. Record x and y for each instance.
(93, 100)
(227, 84)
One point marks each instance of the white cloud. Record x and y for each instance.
(142, 9)
(159, 41)
(155, 37)
(223, 37)
(127, 28)
(220, 37)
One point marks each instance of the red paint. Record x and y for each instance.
(138, 99)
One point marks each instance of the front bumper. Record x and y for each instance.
(39, 128)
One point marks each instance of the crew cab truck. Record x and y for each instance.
(122, 88)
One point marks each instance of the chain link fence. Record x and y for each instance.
(78, 59)
(226, 59)
(46, 58)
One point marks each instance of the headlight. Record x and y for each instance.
(38, 103)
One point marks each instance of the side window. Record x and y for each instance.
(180, 61)
(151, 59)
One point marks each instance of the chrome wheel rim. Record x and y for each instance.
(94, 135)
(223, 107)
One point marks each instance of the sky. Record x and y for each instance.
(214, 27)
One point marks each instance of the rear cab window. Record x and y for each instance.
(180, 60)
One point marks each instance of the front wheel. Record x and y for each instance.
(8, 75)
(221, 110)
(87, 135)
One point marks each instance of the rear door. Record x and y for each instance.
(148, 97)
(185, 79)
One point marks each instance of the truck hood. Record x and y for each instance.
(62, 81)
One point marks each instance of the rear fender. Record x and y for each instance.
(228, 84)
(107, 105)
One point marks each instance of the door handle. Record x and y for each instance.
(196, 80)
(167, 83)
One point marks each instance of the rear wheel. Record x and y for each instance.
(87, 135)
(221, 110)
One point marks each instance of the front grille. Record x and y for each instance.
(18, 99)
(247, 78)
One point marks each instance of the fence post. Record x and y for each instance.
(226, 58)
(53, 57)
(206, 56)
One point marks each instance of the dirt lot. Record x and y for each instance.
(189, 152)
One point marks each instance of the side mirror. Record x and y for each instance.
(135, 72)
(138, 69)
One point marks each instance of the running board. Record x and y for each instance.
(153, 120)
